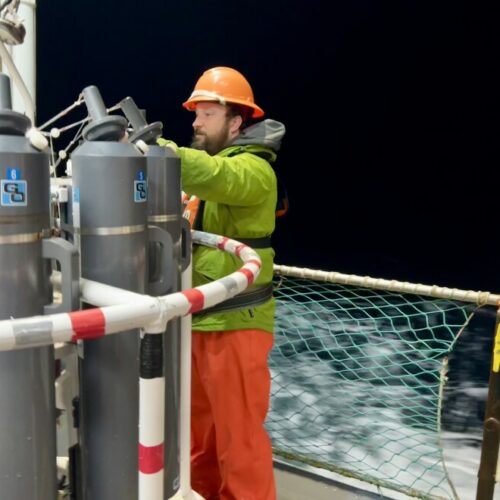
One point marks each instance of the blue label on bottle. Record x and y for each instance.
(140, 191)
(13, 174)
(14, 193)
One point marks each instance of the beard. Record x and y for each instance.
(211, 144)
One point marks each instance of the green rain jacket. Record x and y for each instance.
(239, 190)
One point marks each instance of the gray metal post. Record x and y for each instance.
(141, 129)
(95, 104)
(27, 403)
(109, 184)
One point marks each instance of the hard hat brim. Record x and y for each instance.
(190, 104)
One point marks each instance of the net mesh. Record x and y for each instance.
(357, 376)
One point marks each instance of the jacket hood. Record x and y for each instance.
(267, 133)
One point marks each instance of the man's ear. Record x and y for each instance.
(235, 124)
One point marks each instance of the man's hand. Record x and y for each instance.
(166, 143)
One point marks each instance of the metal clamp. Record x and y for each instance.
(67, 256)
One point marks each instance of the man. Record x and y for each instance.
(228, 168)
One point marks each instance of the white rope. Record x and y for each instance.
(52, 166)
(73, 125)
(55, 132)
(62, 113)
(479, 298)
(72, 142)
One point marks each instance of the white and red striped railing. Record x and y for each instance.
(141, 311)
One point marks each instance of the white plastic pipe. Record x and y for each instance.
(185, 394)
(24, 58)
(18, 82)
(185, 491)
(151, 437)
(101, 295)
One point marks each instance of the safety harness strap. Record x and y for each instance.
(264, 242)
(254, 296)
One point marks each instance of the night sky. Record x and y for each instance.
(389, 156)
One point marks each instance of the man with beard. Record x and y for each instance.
(233, 189)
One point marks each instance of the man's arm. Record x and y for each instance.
(243, 180)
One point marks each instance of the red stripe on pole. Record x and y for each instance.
(196, 299)
(150, 458)
(88, 324)
(239, 249)
(223, 243)
(250, 276)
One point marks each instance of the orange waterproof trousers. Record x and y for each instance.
(231, 456)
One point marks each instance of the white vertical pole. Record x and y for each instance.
(185, 394)
(24, 57)
(151, 437)
(185, 492)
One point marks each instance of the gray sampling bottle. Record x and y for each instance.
(164, 211)
(27, 401)
(110, 219)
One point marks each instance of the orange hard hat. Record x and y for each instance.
(224, 85)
